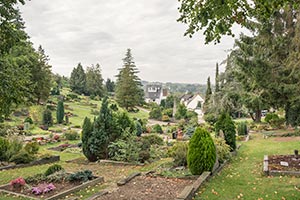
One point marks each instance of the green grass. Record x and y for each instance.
(243, 177)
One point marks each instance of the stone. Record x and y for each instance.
(282, 163)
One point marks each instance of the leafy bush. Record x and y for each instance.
(168, 112)
(36, 178)
(210, 118)
(179, 153)
(202, 152)
(53, 168)
(242, 128)
(15, 146)
(32, 147)
(139, 129)
(226, 124)
(81, 176)
(154, 139)
(277, 123)
(155, 113)
(144, 156)
(124, 150)
(23, 157)
(4, 146)
(165, 118)
(157, 129)
(29, 120)
(223, 149)
(271, 116)
(71, 135)
(58, 176)
(95, 112)
(47, 118)
(4, 128)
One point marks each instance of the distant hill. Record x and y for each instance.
(182, 87)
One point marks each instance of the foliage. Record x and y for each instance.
(37, 178)
(29, 120)
(4, 146)
(122, 122)
(242, 128)
(94, 81)
(36, 112)
(157, 129)
(86, 133)
(15, 146)
(124, 150)
(110, 85)
(155, 113)
(165, 118)
(60, 112)
(226, 124)
(71, 135)
(128, 86)
(47, 118)
(32, 147)
(181, 112)
(179, 153)
(153, 139)
(58, 176)
(139, 129)
(18, 182)
(222, 149)
(271, 116)
(22, 157)
(168, 112)
(42, 189)
(202, 152)
(53, 168)
(81, 176)
(78, 80)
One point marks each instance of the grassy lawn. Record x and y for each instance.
(243, 178)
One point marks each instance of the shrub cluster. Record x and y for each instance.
(71, 135)
(179, 153)
(242, 128)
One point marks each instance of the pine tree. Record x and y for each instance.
(128, 87)
(60, 112)
(217, 87)
(94, 81)
(208, 95)
(102, 132)
(86, 138)
(78, 80)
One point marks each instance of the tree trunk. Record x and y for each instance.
(258, 115)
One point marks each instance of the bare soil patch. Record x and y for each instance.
(278, 162)
(286, 139)
(148, 188)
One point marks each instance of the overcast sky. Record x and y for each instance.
(100, 31)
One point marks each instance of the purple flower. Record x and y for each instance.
(36, 191)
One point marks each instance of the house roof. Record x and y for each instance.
(153, 91)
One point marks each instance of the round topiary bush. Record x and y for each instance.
(202, 152)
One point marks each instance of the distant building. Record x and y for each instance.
(155, 93)
(193, 102)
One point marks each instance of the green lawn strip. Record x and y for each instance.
(242, 178)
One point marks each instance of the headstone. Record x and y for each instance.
(282, 163)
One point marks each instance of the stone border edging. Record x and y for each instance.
(268, 172)
(118, 163)
(59, 195)
(33, 163)
(128, 178)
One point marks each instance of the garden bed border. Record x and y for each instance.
(268, 172)
(41, 161)
(59, 195)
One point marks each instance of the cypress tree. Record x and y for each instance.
(217, 87)
(47, 118)
(202, 152)
(86, 138)
(226, 124)
(60, 112)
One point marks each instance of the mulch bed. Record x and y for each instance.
(146, 187)
(60, 187)
(292, 160)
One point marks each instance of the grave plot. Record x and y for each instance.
(282, 165)
(147, 187)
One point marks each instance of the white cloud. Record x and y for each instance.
(98, 31)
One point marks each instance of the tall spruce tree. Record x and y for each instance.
(60, 112)
(208, 95)
(110, 85)
(94, 81)
(78, 80)
(128, 86)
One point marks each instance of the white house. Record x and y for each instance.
(193, 102)
(155, 93)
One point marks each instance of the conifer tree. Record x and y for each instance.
(94, 81)
(60, 112)
(208, 95)
(86, 138)
(78, 80)
(217, 87)
(128, 86)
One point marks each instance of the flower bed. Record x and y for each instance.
(54, 186)
(282, 165)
